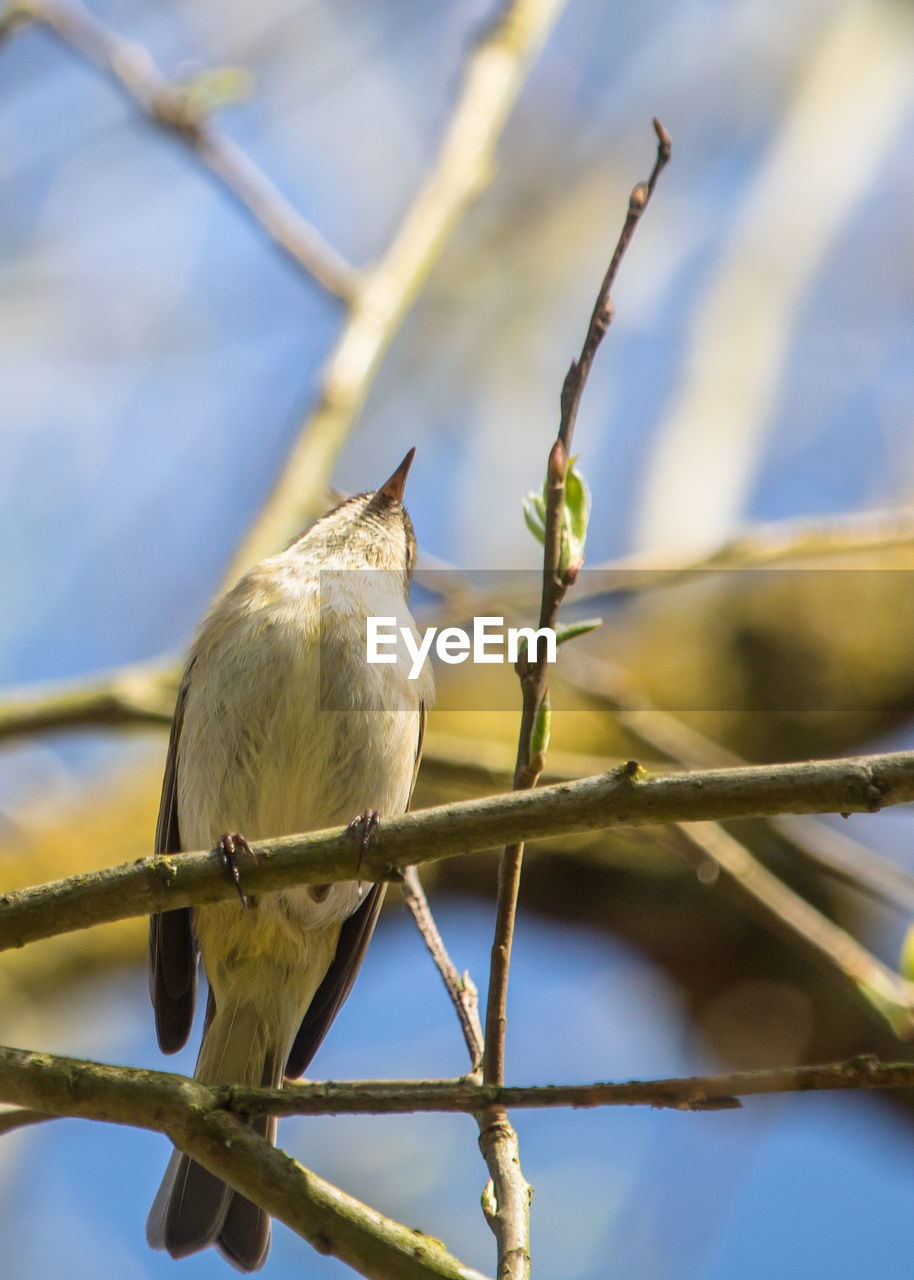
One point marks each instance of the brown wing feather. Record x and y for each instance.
(172, 947)
(355, 936)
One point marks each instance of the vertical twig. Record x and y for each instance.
(507, 1198)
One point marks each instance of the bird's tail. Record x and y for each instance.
(194, 1208)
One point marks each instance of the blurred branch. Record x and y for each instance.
(817, 843)
(141, 694)
(493, 77)
(179, 110)
(21, 1118)
(487, 762)
(196, 1121)
(889, 995)
(734, 361)
(11, 19)
(762, 545)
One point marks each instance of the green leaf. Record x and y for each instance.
(572, 630)
(535, 516)
(574, 519)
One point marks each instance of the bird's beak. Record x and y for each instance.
(392, 490)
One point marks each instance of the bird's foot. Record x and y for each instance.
(227, 846)
(366, 824)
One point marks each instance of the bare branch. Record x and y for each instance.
(197, 1122)
(506, 1202)
(861, 784)
(602, 314)
(846, 858)
(147, 1099)
(460, 987)
(174, 109)
(691, 1093)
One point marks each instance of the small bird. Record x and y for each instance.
(281, 726)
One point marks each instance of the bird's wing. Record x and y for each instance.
(172, 946)
(355, 935)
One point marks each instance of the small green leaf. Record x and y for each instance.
(572, 630)
(575, 517)
(535, 516)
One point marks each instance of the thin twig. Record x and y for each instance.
(173, 108)
(555, 585)
(690, 1093)
(602, 314)
(107, 1093)
(507, 1202)
(625, 797)
(460, 987)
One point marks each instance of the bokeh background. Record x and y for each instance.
(158, 357)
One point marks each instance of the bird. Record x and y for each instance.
(281, 726)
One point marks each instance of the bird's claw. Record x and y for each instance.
(367, 823)
(226, 846)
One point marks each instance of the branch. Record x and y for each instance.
(861, 784)
(146, 1099)
(602, 315)
(493, 77)
(762, 545)
(555, 584)
(178, 111)
(717, 850)
(692, 1093)
(890, 995)
(197, 1122)
(460, 987)
(816, 842)
(139, 695)
(506, 1201)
